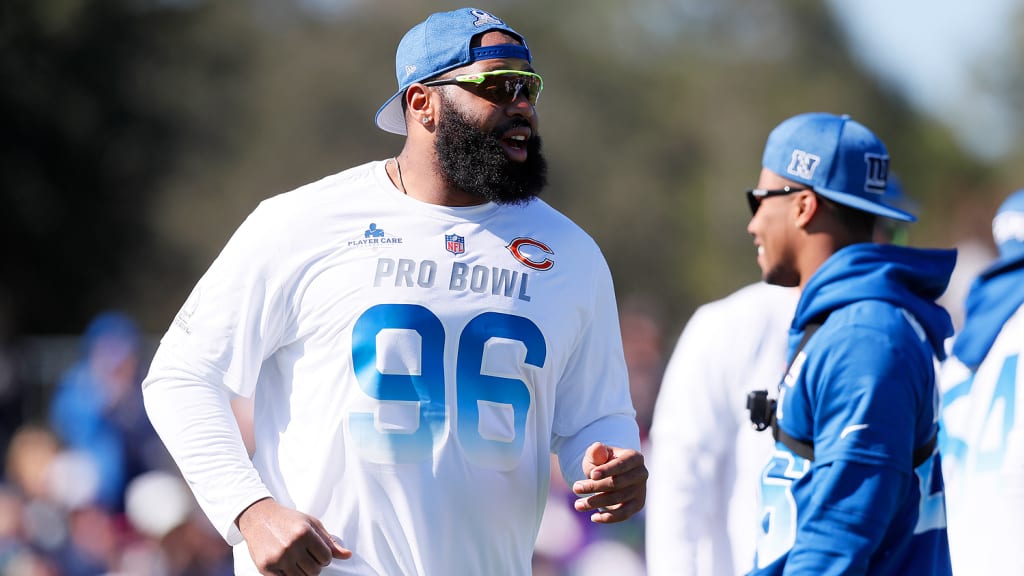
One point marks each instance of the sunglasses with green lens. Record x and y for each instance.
(499, 86)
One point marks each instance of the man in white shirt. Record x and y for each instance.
(982, 439)
(704, 453)
(418, 334)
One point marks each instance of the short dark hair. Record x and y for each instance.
(860, 224)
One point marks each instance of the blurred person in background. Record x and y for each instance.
(59, 522)
(419, 334)
(982, 438)
(32, 528)
(705, 456)
(568, 542)
(97, 407)
(30, 455)
(172, 537)
(642, 344)
(854, 484)
(94, 542)
(28, 471)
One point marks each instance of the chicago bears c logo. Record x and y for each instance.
(531, 253)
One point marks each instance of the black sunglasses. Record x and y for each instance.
(755, 195)
(499, 86)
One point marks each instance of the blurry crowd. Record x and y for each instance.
(89, 490)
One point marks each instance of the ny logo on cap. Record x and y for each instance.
(877, 173)
(485, 18)
(803, 164)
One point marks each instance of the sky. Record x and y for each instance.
(933, 51)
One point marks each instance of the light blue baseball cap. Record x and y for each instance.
(836, 156)
(1008, 226)
(439, 44)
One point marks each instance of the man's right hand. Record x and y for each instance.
(286, 542)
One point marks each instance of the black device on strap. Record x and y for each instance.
(762, 408)
(762, 414)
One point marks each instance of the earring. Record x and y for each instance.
(426, 119)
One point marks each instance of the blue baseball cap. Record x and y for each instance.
(1008, 227)
(439, 44)
(838, 157)
(894, 191)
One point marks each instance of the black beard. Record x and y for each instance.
(474, 161)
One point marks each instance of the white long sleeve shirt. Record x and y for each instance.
(413, 366)
(982, 445)
(705, 459)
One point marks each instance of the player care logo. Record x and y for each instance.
(375, 237)
(184, 318)
(531, 253)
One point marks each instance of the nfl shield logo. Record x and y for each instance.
(454, 243)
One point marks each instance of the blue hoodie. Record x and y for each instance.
(994, 297)
(864, 393)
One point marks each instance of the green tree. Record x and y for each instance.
(96, 100)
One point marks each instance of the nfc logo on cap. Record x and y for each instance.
(485, 18)
(803, 164)
(877, 173)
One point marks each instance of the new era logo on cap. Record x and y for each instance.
(838, 157)
(485, 18)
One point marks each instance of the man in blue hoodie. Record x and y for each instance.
(982, 440)
(854, 485)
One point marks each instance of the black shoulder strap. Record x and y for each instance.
(798, 447)
(805, 449)
(924, 453)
